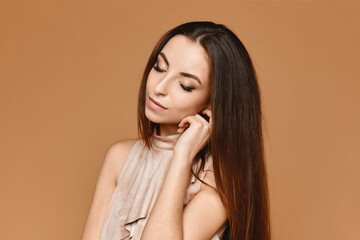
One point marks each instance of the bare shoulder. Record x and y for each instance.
(116, 155)
(121, 147)
(113, 162)
(198, 221)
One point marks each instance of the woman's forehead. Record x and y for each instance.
(185, 55)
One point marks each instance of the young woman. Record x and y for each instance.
(197, 171)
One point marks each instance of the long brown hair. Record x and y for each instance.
(236, 141)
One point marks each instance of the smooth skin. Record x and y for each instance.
(167, 84)
(105, 186)
(205, 213)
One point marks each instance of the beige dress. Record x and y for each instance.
(139, 185)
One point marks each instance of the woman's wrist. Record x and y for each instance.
(184, 159)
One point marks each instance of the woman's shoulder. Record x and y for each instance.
(121, 147)
(124, 144)
(117, 153)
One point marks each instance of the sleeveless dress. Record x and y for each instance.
(139, 185)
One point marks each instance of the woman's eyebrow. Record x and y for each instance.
(181, 73)
(165, 58)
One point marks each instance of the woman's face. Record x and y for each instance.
(179, 81)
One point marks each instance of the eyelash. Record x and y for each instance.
(188, 89)
(158, 69)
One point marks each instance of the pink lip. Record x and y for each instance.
(157, 103)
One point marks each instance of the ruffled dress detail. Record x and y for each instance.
(139, 185)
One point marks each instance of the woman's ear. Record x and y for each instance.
(209, 106)
(206, 112)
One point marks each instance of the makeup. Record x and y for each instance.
(154, 105)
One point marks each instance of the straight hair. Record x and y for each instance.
(236, 141)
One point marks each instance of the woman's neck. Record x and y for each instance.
(167, 129)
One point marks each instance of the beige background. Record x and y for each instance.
(70, 72)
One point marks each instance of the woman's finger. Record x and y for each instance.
(184, 124)
(187, 121)
(183, 121)
(182, 129)
(206, 124)
(201, 119)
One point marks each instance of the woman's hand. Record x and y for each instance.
(195, 135)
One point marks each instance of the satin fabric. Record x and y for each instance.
(139, 185)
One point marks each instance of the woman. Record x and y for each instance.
(197, 171)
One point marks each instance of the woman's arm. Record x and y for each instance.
(105, 186)
(205, 213)
(200, 219)
(165, 221)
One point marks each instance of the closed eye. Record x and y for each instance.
(158, 69)
(189, 89)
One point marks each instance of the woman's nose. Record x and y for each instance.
(161, 86)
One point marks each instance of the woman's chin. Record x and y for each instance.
(163, 119)
(153, 119)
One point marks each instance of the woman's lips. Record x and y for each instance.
(155, 103)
